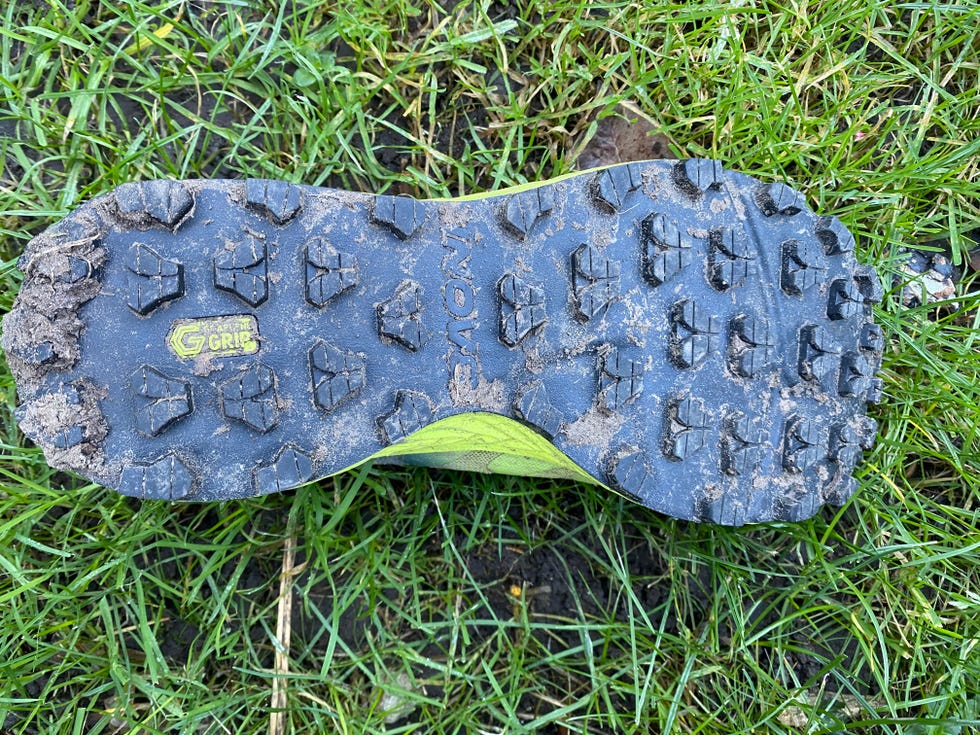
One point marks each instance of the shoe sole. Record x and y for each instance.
(686, 335)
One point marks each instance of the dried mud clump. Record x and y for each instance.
(41, 334)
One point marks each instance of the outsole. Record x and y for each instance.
(687, 335)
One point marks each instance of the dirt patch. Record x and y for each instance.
(41, 333)
(628, 135)
(595, 427)
(69, 427)
(487, 395)
(59, 276)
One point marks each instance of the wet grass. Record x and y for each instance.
(432, 601)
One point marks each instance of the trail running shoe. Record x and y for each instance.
(681, 334)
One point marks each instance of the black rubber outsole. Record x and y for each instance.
(690, 336)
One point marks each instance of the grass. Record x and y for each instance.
(471, 603)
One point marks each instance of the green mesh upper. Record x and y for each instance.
(484, 442)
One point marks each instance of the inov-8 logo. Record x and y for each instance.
(459, 298)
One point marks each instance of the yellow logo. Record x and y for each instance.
(221, 336)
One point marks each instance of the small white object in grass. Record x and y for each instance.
(929, 276)
(793, 716)
(844, 706)
(393, 700)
